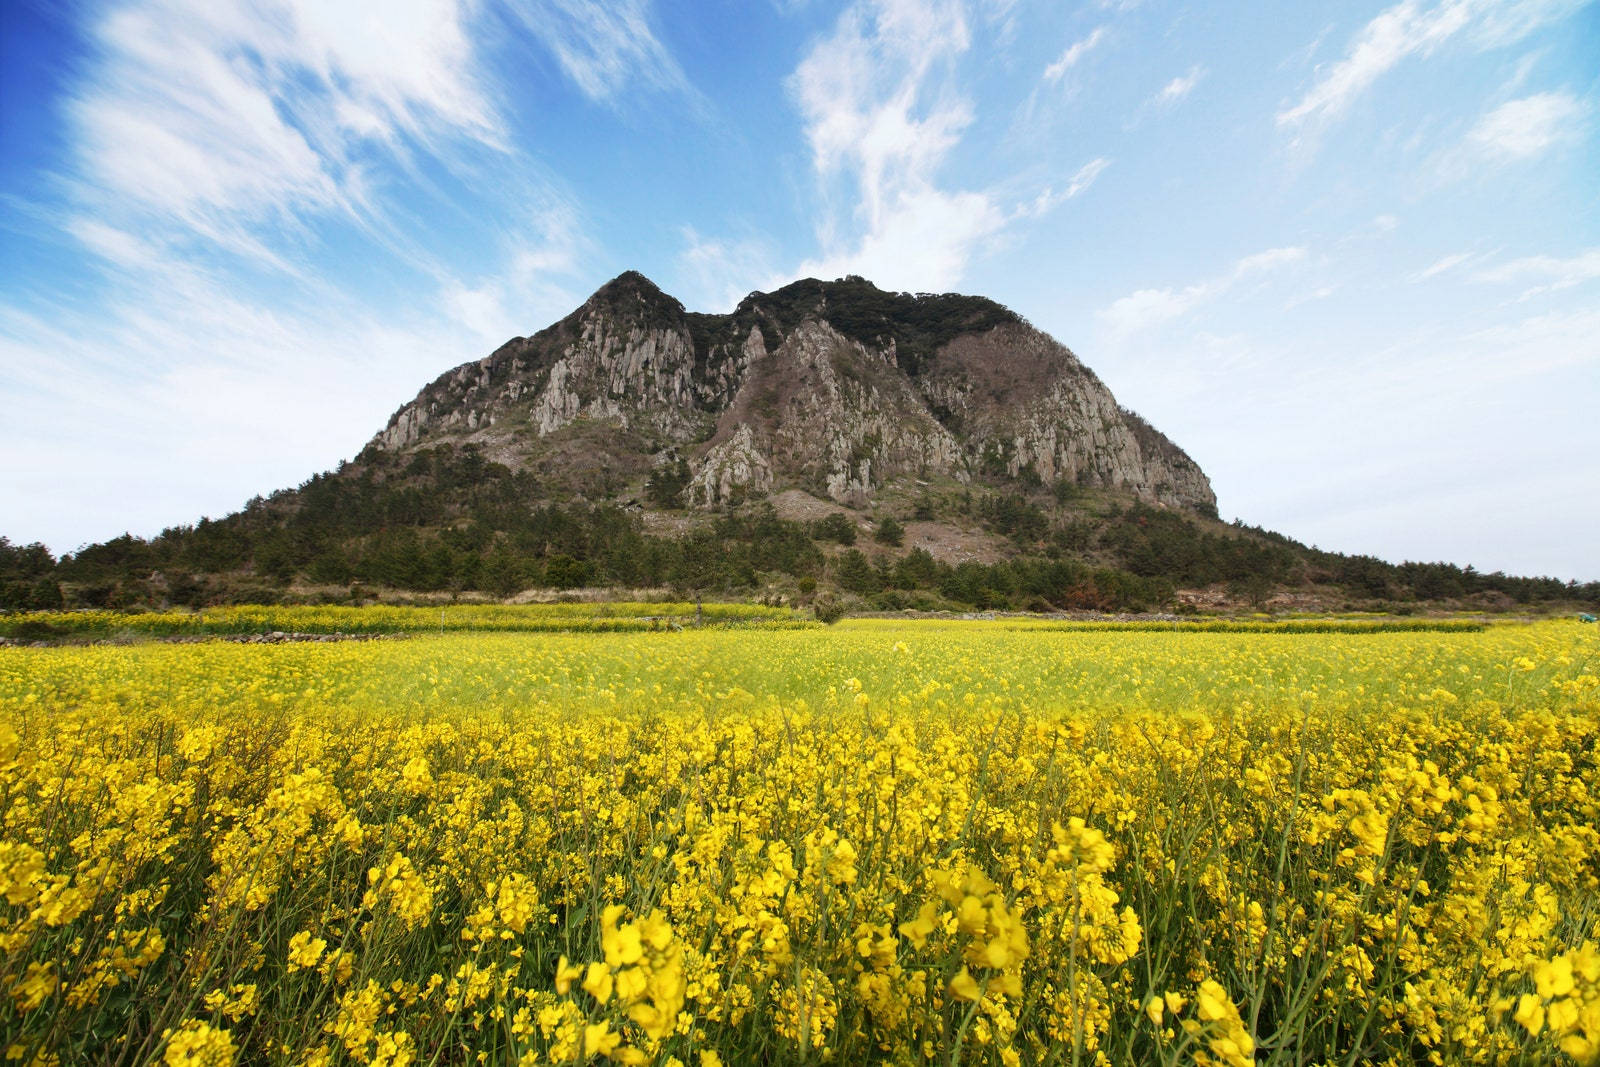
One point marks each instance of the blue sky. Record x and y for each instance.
(1346, 255)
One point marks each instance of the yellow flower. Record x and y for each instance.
(597, 983)
(405, 890)
(305, 950)
(393, 1050)
(38, 982)
(1553, 978)
(621, 946)
(566, 974)
(964, 986)
(631, 983)
(918, 930)
(198, 1044)
(599, 1039)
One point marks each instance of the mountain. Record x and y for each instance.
(836, 388)
(925, 451)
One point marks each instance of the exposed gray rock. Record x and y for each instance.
(797, 401)
(734, 465)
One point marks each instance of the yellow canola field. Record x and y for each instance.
(881, 842)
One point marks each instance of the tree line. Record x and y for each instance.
(448, 519)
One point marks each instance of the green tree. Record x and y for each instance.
(854, 574)
(665, 487)
(835, 526)
(1257, 589)
(503, 572)
(564, 572)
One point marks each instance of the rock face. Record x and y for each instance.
(837, 388)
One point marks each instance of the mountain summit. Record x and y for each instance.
(839, 389)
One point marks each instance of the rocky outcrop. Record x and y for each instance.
(1025, 403)
(731, 470)
(836, 388)
(838, 417)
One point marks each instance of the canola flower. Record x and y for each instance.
(883, 842)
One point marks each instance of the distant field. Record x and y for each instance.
(603, 617)
(1327, 625)
(984, 842)
(391, 619)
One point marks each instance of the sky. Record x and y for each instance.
(1346, 255)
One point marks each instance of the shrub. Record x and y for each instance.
(828, 609)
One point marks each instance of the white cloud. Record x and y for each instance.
(220, 123)
(1391, 421)
(719, 273)
(882, 112)
(240, 124)
(545, 243)
(604, 47)
(1504, 22)
(1541, 343)
(1440, 266)
(1085, 176)
(229, 164)
(922, 243)
(1074, 52)
(1269, 260)
(1400, 31)
(1050, 199)
(1148, 308)
(1553, 273)
(1521, 129)
(1178, 88)
(1413, 28)
(253, 129)
(185, 396)
(402, 62)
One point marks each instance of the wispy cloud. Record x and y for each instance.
(1550, 273)
(1405, 29)
(1148, 308)
(1074, 52)
(185, 394)
(1051, 198)
(1412, 28)
(605, 47)
(1522, 129)
(228, 162)
(1085, 177)
(882, 111)
(217, 140)
(1178, 88)
(235, 124)
(719, 272)
(1442, 265)
(1504, 22)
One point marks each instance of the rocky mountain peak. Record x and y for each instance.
(631, 293)
(839, 389)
